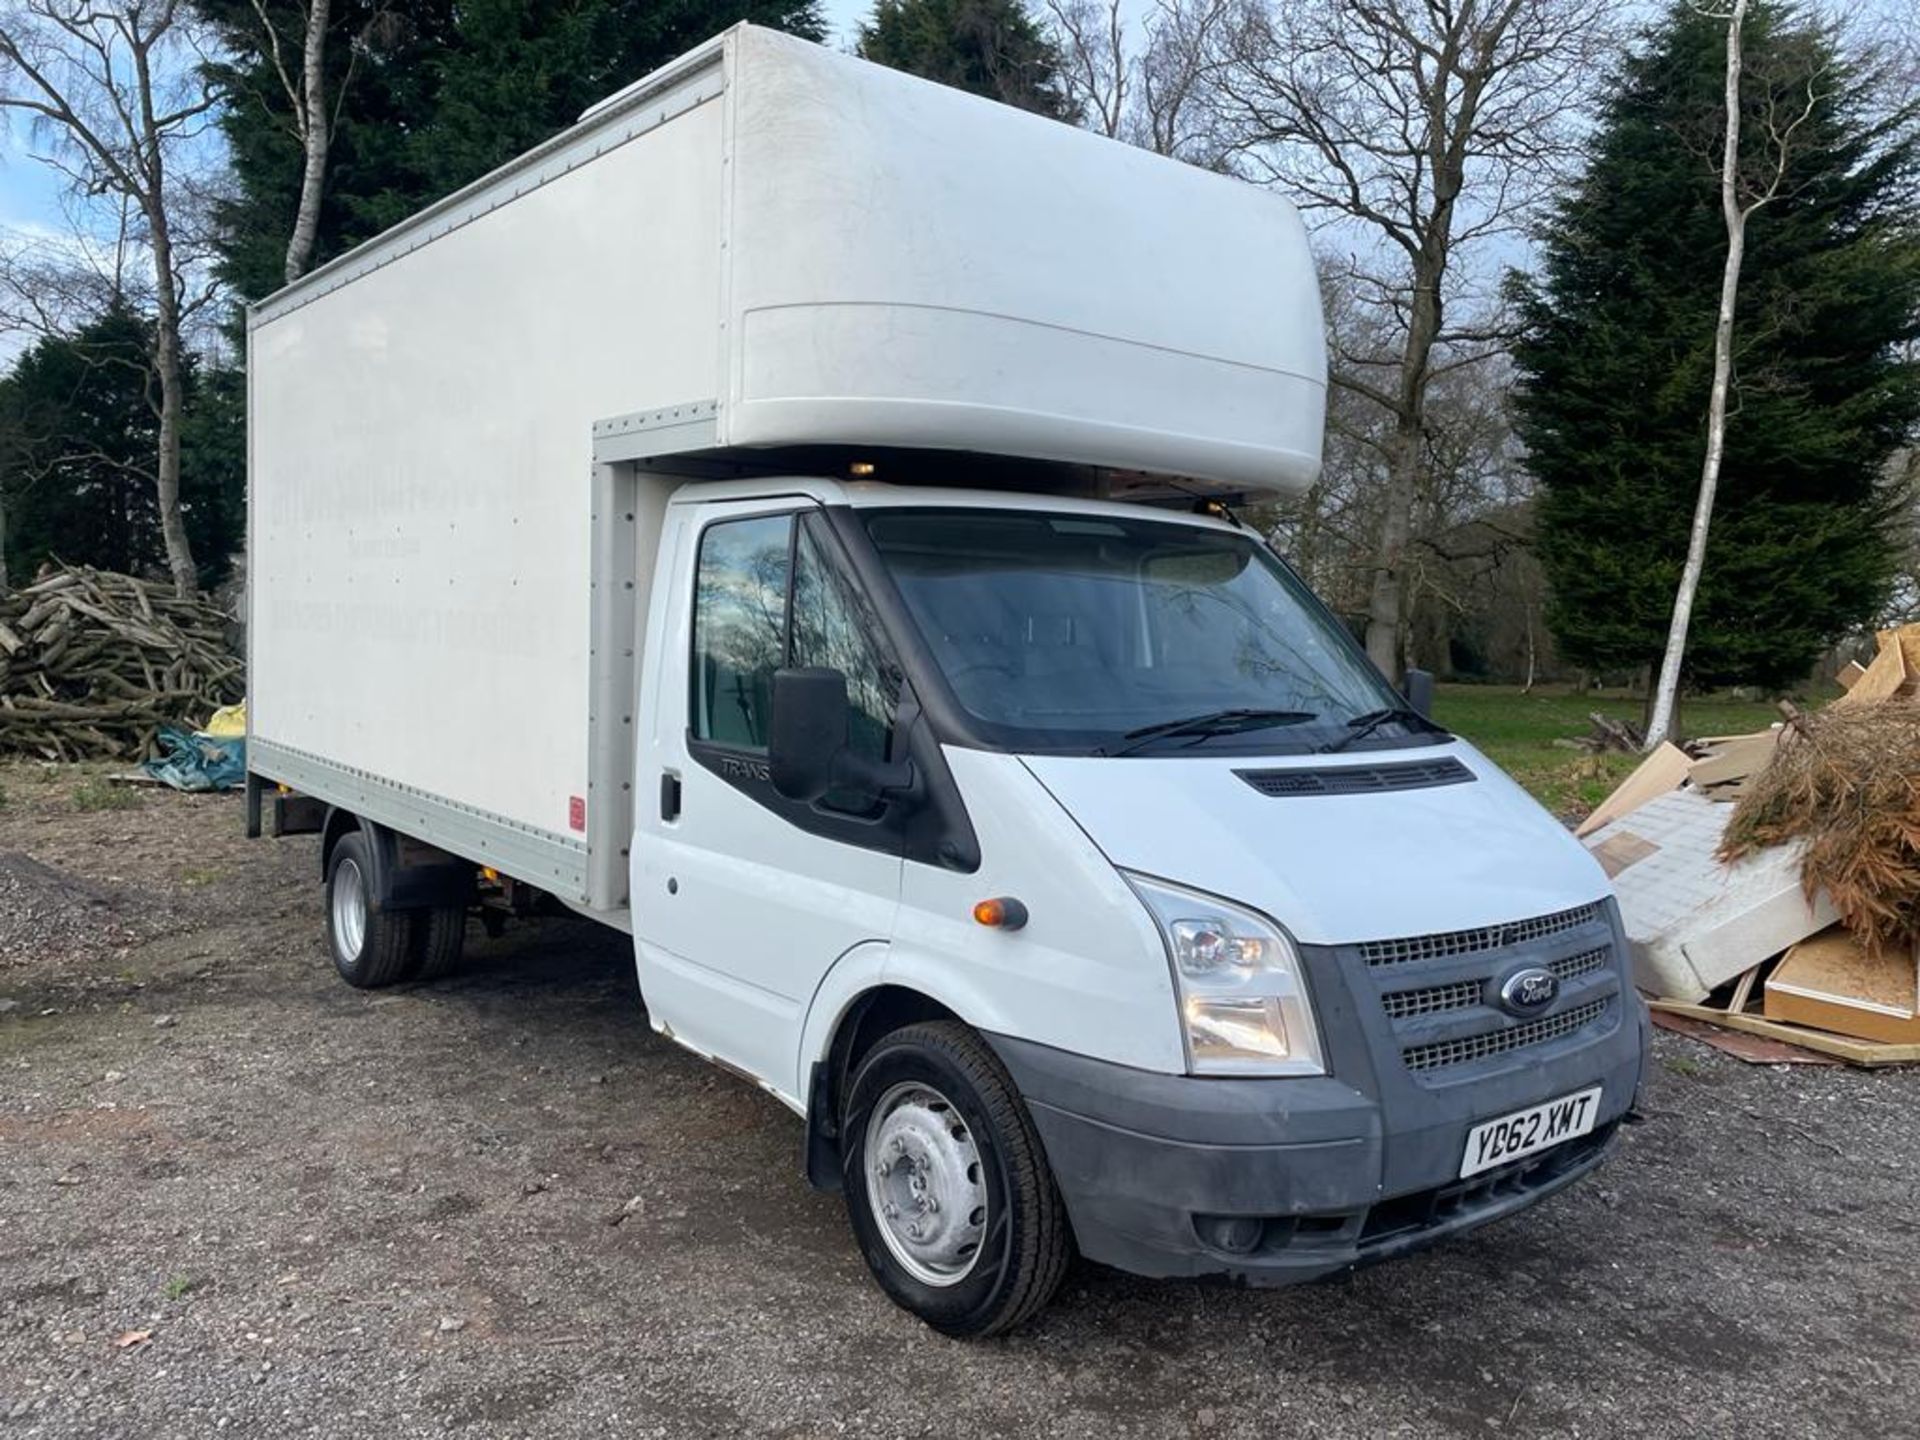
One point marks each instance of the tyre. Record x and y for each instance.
(947, 1185)
(371, 946)
(439, 935)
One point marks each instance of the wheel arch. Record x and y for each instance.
(339, 824)
(407, 874)
(869, 1017)
(866, 995)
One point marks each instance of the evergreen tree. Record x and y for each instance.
(1617, 357)
(379, 76)
(521, 72)
(429, 97)
(78, 432)
(989, 47)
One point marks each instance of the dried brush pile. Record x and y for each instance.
(1846, 781)
(93, 663)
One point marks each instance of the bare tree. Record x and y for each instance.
(110, 83)
(1741, 195)
(311, 124)
(1146, 85)
(1415, 128)
(1175, 66)
(1096, 65)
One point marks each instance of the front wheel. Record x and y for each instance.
(947, 1185)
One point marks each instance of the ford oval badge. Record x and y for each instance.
(1529, 991)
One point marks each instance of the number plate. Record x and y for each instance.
(1528, 1132)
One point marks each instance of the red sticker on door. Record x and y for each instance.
(576, 812)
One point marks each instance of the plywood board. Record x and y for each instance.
(1754, 1049)
(1734, 760)
(1886, 676)
(1834, 982)
(1661, 771)
(1854, 1052)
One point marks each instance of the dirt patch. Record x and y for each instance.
(389, 1214)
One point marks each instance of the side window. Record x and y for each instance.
(833, 625)
(739, 627)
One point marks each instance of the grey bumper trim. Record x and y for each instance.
(1140, 1157)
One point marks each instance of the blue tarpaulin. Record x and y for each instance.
(199, 762)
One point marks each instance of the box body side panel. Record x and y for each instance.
(422, 467)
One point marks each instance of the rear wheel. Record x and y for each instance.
(947, 1185)
(371, 946)
(439, 936)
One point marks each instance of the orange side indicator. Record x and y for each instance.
(1003, 912)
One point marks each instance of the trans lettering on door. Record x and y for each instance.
(1522, 1133)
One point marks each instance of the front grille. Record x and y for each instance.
(1464, 994)
(1498, 1042)
(1405, 1004)
(1357, 779)
(1468, 942)
(1585, 963)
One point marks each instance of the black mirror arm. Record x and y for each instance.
(856, 772)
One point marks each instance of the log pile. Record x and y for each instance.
(93, 663)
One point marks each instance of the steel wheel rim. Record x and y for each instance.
(926, 1184)
(349, 910)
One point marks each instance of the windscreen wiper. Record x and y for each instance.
(1365, 725)
(1213, 722)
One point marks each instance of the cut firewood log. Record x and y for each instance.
(93, 664)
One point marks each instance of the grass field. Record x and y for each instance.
(1518, 732)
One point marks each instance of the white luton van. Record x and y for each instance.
(789, 517)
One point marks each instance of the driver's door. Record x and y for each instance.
(741, 899)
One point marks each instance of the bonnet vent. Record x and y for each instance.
(1358, 779)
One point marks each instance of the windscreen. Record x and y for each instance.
(1091, 633)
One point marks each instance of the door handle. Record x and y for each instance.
(669, 796)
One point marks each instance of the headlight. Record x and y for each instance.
(1243, 995)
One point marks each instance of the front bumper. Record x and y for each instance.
(1316, 1175)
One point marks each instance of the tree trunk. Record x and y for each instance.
(315, 138)
(1386, 601)
(1666, 693)
(167, 365)
(166, 485)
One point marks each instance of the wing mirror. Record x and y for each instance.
(807, 750)
(1420, 692)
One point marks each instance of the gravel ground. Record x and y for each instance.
(239, 1196)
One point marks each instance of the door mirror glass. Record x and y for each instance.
(1420, 691)
(809, 731)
